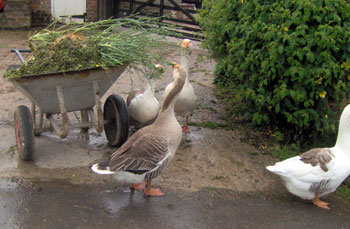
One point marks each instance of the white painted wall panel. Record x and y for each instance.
(67, 7)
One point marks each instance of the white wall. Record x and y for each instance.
(67, 8)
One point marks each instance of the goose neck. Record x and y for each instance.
(149, 88)
(343, 142)
(185, 60)
(170, 99)
(343, 138)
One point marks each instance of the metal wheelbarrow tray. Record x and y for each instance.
(60, 93)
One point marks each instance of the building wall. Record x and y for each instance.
(27, 13)
(41, 12)
(92, 10)
(16, 15)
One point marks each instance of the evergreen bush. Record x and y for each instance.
(283, 63)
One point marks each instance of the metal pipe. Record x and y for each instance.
(17, 51)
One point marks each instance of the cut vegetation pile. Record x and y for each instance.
(103, 44)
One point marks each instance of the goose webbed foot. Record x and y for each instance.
(140, 186)
(152, 191)
(185, 129)
(316, 201)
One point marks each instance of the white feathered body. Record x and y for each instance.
(186, 101)
(319, 170)
(301, 178)
(144, 107)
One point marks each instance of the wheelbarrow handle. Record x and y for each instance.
(18, 53)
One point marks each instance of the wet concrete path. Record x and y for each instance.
(63, 205)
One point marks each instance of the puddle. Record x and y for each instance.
(116, 203)
(7, 184)
(194, 135)
(63, 154)
(96, 140)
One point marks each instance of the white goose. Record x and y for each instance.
(144, 155)
(143, 107)
(318, 171)
(187, 99)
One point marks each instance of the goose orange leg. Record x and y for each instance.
(152, 192)
(320, 203)
(185, 127)
(140, 186)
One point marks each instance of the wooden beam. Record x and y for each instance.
(161, 8)
(177, 6)
(143, 6)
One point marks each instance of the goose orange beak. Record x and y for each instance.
(159, 66)
(175, 65)
(186, 43)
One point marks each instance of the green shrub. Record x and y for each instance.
(282, 63)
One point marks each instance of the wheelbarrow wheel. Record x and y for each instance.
(116, 115)
(24, 132)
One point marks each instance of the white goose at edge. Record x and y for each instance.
(318, 171)
(144, 155)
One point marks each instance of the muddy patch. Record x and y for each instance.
(217, 158)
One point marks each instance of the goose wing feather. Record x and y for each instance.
(310, 167)
(143, 151)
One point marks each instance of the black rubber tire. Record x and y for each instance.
(115, 112)
(24, 133)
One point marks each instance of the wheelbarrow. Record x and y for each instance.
(57, 94)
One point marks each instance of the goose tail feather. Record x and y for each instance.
(276, 169)
(101, 168)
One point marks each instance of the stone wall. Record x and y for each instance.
(16, 15)
(27, 13)
(92, 10)
(41, 12)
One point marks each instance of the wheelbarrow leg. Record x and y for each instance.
(98, 105)
(41, 119)
(62, 132)
(37, 126)
(84, 132)
(33, 114)
(38, 129)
